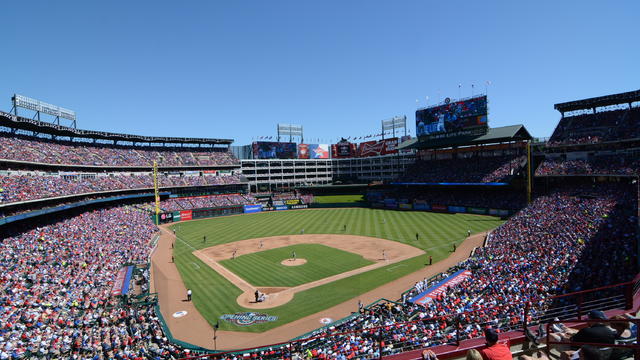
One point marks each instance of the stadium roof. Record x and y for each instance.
(18, 122)
(614, 99)
(493, 135)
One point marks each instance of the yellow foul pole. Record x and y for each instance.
(155, 189)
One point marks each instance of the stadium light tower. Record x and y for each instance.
(42, 107)
(397, 122)
(291, 130)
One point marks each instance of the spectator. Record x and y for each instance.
(494, 350)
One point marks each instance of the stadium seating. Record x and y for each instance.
(550, 245)
(599, 164)
(31, 149)
(15, 188)
(199, 202)
(599, 127)
(473, 169)
(55, 299)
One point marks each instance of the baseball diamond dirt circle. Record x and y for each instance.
(194, 328)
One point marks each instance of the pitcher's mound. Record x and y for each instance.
(292, 262)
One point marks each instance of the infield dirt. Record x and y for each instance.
(194, 329)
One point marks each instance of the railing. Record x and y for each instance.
(550, 339)
(377, 337)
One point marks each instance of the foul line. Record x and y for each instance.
(396, 266)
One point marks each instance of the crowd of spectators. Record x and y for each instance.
(595, 165)
(55, 283)
(55, 280)
(32, 149)
(209, 201)
(14, 188)
(478, 169)
(598, 127)
(550, 245)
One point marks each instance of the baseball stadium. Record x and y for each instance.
(366, 250)
(441, 234)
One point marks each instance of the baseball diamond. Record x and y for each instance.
(330, 251)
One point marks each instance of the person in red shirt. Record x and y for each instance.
(493, 349)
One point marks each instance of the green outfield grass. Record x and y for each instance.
(213, 295)
(336, 199)
(322, 261)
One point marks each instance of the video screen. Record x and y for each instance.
(452, 117)
(274, 150)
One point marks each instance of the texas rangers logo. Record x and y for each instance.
(248, 318)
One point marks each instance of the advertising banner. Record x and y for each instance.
(391, 203)
(493, 211)
(503, 212)
(457, 209)
(121, 283)
(318, 151)
(282, 207)
(439, 208)
(303, 151)
(343, 149)
(436, 290)
(475, 210)
(252, 208)
(176, 216)
(166, 217)
(376, 148)
(421, 206)
(274, 150)
(186, 215)
(292, 202)
(301, 206)
(405, 206)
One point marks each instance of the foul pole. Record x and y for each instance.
(157, 193)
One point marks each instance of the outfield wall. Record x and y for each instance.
(205, 213)
(418, 205)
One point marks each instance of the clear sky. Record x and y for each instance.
(234, 69)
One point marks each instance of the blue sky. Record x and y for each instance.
(234, 69)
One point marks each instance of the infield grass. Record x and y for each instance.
(322, 261)
(213, 295)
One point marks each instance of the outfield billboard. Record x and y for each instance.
(452, 117)
(313, 151)
(319, 151)
(303, 151)
(252, 209)
(343, 149)
(274, 150)
(376, 148)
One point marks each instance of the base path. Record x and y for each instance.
(381, 251)
(194, 329)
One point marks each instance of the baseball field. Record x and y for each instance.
(339, 255)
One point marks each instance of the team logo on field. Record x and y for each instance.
(248, 318)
